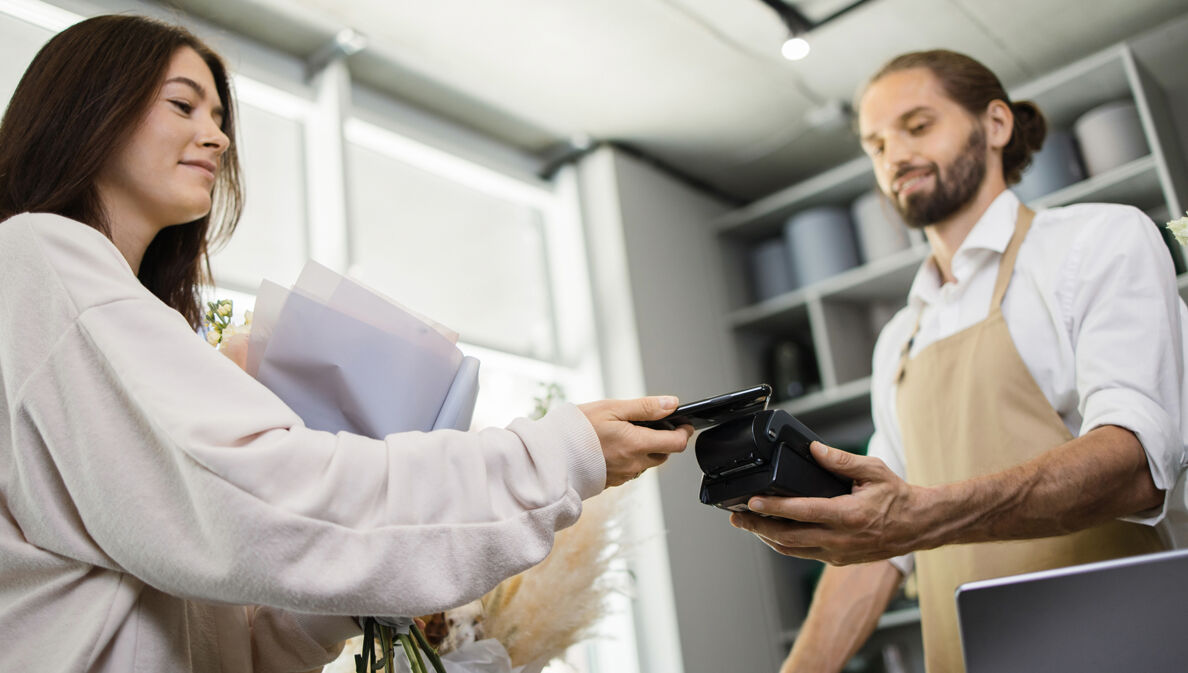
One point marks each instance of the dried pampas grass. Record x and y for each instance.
(540, 613)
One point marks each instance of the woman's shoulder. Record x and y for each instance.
(51, 229)
(42, 252)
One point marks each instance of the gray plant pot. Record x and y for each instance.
(879, 227)
(820, 243)
(1056, 165)
(1110, 135)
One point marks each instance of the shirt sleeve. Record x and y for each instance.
(142, 449)
(1125, 323)
(885, 444)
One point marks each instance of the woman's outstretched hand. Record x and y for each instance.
(236, 348)
(630, 449)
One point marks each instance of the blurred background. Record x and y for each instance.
(624, 197)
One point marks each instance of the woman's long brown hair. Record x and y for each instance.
(80, 100)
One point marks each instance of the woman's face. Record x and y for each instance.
(165, 173)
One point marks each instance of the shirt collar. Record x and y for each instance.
(992, 232)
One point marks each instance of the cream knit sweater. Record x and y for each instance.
(160, 510)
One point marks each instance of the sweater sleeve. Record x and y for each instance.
(288, 642)
(142, 449)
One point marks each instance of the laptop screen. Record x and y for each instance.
(1128, 615)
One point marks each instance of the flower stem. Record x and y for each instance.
(389, 649)
(430, 652)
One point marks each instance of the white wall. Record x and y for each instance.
(654, 255)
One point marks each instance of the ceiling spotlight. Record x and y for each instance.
(795, 48)
(345, 42)
(350, 41)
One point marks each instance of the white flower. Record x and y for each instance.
(233, 330)
(1179, 228)
(225, 308)
(213, 337)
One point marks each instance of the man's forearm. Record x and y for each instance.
(1092, 479)
(845, 609)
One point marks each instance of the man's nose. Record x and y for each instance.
(896, 153)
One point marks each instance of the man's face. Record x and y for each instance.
(929, 153)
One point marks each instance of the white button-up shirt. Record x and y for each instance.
(1094, 312)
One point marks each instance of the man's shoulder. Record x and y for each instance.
(1080, 216)
(1091, 226)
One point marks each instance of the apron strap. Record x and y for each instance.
(1007, 266)
(907, 348)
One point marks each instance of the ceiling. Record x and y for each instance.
(697, 85)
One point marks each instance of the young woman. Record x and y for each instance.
(149, 489)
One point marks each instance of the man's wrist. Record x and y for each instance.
(938, 513)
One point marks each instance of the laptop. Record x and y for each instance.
(1128, 615)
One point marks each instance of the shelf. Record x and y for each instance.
(896, 618)
(1136, 182)
(889, 620)
(783, 312)
(886, 279)
(1066, 94)
(765, 217)
(890, 277)
(822, 407)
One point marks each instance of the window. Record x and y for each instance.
(20, 44)
(480, 251)
(470, 255)
(271, 240)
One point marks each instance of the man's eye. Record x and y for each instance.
(918, 129)
(183, 106)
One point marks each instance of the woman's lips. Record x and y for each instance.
(207, 168)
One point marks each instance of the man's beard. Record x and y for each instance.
(955, 187)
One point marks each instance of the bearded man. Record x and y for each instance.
(1029, 399)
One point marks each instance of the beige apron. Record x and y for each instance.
(968, 406)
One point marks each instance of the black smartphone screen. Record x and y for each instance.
(714, 410)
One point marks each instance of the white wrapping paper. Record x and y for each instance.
(483, 656)
(344, 357)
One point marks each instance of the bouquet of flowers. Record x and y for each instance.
(520, 626)
(1179, 229)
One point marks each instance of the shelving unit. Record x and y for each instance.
(890, 620)
(888, 279)
(832, 317)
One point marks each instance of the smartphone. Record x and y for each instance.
(714, 410)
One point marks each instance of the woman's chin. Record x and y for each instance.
(194, 212)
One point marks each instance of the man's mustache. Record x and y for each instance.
(904, 170)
